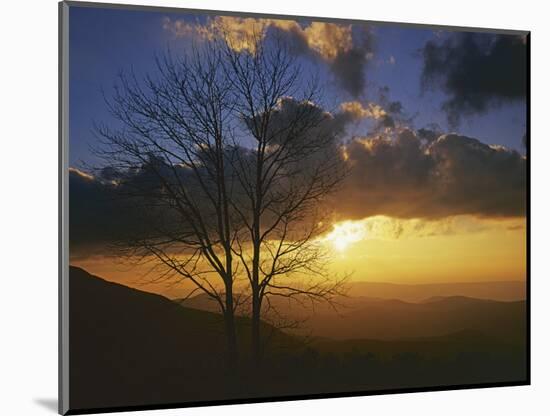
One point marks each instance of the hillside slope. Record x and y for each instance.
(132, 348)
(129, 347)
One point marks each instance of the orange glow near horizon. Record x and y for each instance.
(458, 249)
(384, 249)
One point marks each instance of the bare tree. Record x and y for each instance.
(232, 158)
(172, 150)
(295, 164)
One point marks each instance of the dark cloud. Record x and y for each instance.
(395, 107)
(387, 121)
(347, 62)
(400, 173)
(476, 71)
(345, 48)
(114, 205)
(349, 69)
(411, 178)
(429, 134)
(96, 216)
(395, 112)
(292, 114)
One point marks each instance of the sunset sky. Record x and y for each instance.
(434, 122)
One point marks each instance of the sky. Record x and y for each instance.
(436, 95)
(104, 42)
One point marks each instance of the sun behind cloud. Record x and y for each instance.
(345, 234)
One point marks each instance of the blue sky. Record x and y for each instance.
(105, 41)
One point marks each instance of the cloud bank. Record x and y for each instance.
(345, 48)
(411, 177)
(476, 72)
(405, 176)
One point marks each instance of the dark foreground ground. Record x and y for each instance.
(132, 348)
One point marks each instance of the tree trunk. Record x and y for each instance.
(230, 331)
(256, 241)
(256, 305)
(256, 342)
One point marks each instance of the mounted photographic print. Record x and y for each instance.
(261, 208)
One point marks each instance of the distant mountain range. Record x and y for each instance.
(133, 348)
(504, 291)
(387, 318)
(395, 319)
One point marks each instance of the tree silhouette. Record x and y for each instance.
(229, 158)
(294, 165)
